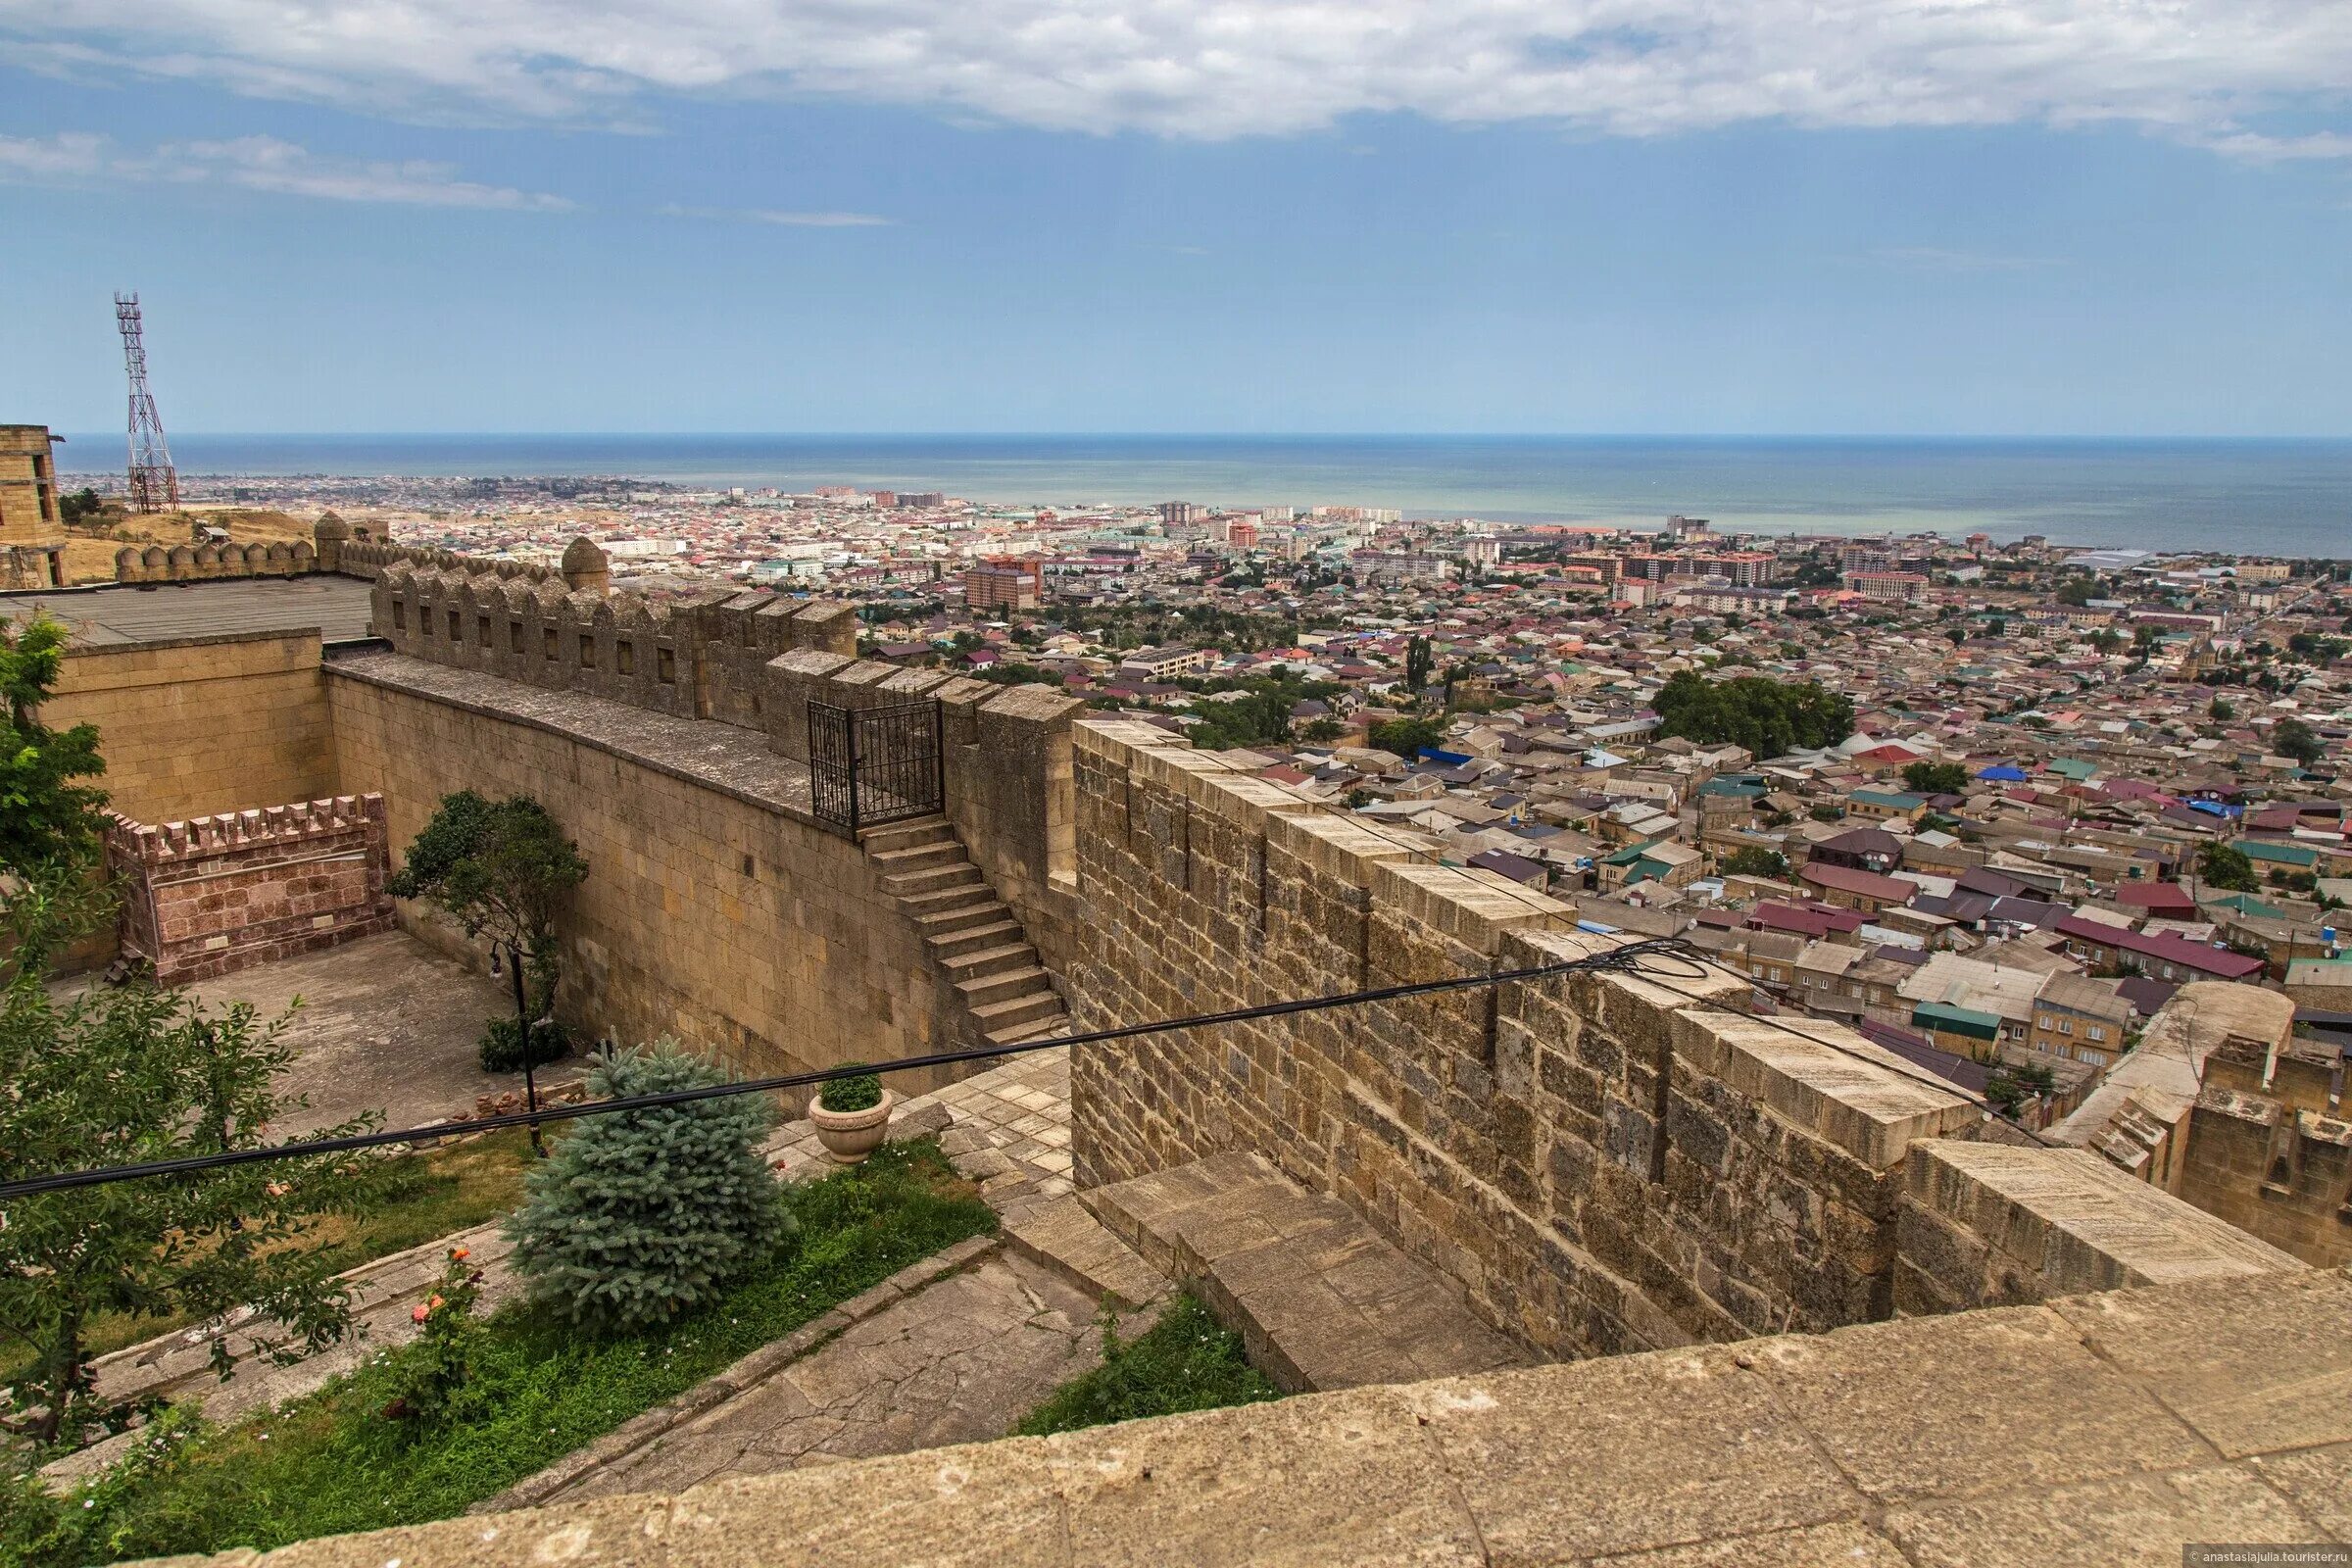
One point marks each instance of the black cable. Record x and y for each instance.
(1629, 959)
(1931, 1080)
(1625, 959)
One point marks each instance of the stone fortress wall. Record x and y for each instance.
(196, 727)
(217, 894)
(1604, 1162)
(2270, 1150)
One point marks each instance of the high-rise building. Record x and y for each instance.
(33, 530)
(1176, 511)
(1005, 583)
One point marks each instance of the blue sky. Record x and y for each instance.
(1140, 214)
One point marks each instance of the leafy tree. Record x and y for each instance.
(502, 870)
(642, 1215)
(47, 820)
(79, 506)
(1755, 860)
(1419, 661)
(2076, 591)
(2297, 740)
(2222, 709)
(2226, 866)
(1763, 715)
(1936, 778)
(1408, 736)
(1261, 719)
(125, 1075)
(2009, 1086)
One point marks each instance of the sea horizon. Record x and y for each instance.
(2271, 495)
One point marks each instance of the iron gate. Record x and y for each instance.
(868, 766)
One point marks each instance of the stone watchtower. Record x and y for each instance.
(32, 533)
(585, 566)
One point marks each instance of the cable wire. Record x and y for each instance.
(1622, 960)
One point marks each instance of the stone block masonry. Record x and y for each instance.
(1603, 1162)
(218, 894)
(2090, 1429)
(200, 725)
(717, 909)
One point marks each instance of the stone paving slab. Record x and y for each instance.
(957, 1361)
(1320, 1298)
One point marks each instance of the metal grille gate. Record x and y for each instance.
(868, 766)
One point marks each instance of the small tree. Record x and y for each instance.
(1936, 778)
(122, 1076)
(1407, 736)
(1755, 860)
(502, 870)
(2227, 867)
(642, 1215)
(2298, 741)
(1418, 662)
(47, 819)
(2008, 1087)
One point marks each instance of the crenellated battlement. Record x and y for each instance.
(164, 843)
(278, 557)
(700, 658)
(211, 895)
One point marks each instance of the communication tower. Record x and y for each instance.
(154, 482)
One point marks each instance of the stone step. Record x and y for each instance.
(904, 835)
(1030, 1009)
(948, 901)
(1006, 985)
(944, 922)
(1060, 1235)
(919, 856)
(964, 939)
(981, 963)
(1320, 1300)
(1035, 1029)
(936, 879)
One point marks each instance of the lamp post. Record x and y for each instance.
(523, 1024)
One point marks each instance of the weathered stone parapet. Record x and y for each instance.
(1604, 1161)
(216, 893)
(704, 657)
(203, 563)
(1988, 1224)
(2093, 1429)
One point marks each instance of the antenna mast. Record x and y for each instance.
(154, 482)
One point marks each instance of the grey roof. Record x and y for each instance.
(121, 614)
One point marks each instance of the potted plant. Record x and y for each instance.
(852, 1114)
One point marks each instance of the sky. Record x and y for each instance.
(1965, 217)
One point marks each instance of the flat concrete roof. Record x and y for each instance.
(117, 615)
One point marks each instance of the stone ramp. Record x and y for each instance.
(1319, 1297)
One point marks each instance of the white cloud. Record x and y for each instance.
(260, 163)
(770, 214)
(2196, 69)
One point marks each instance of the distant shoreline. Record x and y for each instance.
(2287, 496)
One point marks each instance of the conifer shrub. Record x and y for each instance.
(643, 1215)
(858, 1092)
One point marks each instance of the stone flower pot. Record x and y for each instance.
(849, 1136)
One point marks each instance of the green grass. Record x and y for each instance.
(1185, 1361)
(331, 1463)
(430, 1195)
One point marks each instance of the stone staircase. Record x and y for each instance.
(970, 934)
(1320, 1300)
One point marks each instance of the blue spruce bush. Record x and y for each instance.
(641, 1216)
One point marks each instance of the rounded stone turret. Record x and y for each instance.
(329, 534)
(585, 566)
